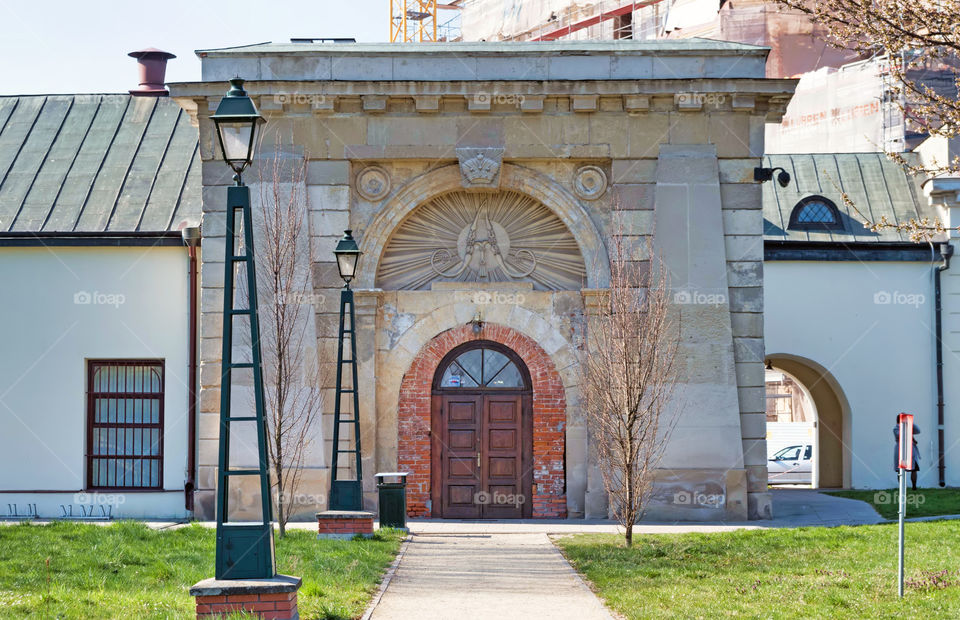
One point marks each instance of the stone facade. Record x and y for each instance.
(668, 132)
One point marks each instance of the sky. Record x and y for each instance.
(81, 46)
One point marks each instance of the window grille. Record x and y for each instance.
(124, 424)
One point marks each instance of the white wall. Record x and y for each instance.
(881, 354)
(47, 340)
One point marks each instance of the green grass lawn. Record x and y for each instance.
(843, 572)
(126, 570)
(920, 503)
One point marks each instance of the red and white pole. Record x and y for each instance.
(905, 463)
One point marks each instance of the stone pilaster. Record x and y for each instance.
(705, 455)
(367, 304)
(596, 500)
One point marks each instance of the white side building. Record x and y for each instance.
(851, 315)
(95, 366)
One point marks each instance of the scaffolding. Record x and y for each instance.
(551, 20)
(417, 21)
(579, 17)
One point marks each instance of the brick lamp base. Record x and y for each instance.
(344, 524)
(268, 599)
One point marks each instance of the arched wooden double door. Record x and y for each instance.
(482, 434)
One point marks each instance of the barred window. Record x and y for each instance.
(124, 424)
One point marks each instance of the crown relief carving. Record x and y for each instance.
(480, 167)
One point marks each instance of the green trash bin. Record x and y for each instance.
(392, 490)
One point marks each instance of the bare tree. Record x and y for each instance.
(628, 377)
(916, 38)
(921, 44)
(292, 394)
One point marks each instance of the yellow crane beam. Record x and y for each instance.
(415, 21)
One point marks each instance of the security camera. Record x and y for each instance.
(783, 178)
(761, 175)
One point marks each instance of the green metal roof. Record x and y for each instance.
(876, 185)
(96, 163)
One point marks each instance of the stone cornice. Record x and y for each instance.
(411, 88)
(754, 96)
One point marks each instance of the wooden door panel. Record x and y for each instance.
(460, 468)
(500, 472)
(501, 467)
(495, 426)
(459, 478)
(461, 411)
(460, 496)
(503, 439)
(504, 409)
(462, 438)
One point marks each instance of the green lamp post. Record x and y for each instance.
(346, 494)
(244, 548)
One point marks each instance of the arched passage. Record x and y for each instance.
(548, 419)
(832, 417)
(482, 433)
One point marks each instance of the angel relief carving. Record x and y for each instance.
(481, 250)
(482, 237)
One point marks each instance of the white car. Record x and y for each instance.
(791, 465)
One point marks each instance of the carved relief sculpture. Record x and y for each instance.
(482, 237)
(480, 167)
(373, 183)
(589, 182)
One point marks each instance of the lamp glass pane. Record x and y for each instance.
(236, 140)
(347, 263)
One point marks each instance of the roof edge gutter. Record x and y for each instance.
(90, 238)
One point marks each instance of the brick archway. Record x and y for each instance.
(549, 418)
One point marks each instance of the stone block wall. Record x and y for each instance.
(581, 143)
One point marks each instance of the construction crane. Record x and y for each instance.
(415, 21)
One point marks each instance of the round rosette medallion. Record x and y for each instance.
(589, 182)
(373, 183)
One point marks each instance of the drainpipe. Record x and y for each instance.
(946, 251)
(191, 238)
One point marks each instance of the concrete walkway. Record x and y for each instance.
(510, 569)
(792, 507)
(501, 576)
(808, 507)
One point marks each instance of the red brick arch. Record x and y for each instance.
(549, 418)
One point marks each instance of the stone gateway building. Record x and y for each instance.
(479, 180)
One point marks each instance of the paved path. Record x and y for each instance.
(500, 576)
(792, 507)
(804, 507)
(509, 569)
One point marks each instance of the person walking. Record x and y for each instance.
(915, 466)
